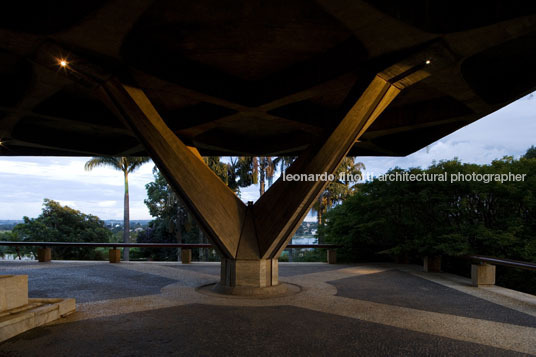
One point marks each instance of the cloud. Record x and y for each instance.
(71, 204)
(26, 181)
(106, 203)
(509, 131)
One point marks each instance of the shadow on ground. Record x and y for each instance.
(206, 330)
(397, 288)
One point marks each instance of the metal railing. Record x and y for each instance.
(142, 245)
(113, 245)
(504, 262)
(17, 246)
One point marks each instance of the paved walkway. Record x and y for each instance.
(152, 309)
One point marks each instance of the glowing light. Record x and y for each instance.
(63, 63)
(428, 62)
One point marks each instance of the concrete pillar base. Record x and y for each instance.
(483, 274)
(249, 273)
(432, 264)
(186, 256)
(269, 291)
(114, 255)
(332, 256)
(44, 255)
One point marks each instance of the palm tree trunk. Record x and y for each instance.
(178, 235)
(126, 221)
(319, 212)
(201, 250)
(262, 179)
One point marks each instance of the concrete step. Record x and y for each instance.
(36, 313)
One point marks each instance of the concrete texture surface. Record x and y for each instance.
(238, 331)
(36, 313)
(367, 310)
(398, 288)
(284, 269)
(92, 282)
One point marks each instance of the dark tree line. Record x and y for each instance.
(409, 220)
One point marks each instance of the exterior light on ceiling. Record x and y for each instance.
(427, 62)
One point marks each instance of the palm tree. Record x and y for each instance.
(262, 170)
(127, 165)
(340, 189)
(252, 170)
(284, 162)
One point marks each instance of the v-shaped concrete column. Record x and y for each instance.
(251, 238)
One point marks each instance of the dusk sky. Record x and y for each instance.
(26, 181)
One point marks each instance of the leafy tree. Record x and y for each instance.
(59, 223)
(442, 217)
(531, 153)
(171, 215)
(173, 223)
(9, 237)
(127, 165)
(421, 218)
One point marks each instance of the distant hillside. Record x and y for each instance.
(8, 224)
(142, 222)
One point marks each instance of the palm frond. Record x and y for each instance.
(134, 162)
(120, 163)
(103, 161)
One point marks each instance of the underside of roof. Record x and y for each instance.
(255, 77)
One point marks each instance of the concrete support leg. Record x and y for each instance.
(332, 256)
(186, 256)
(432, 264)
(114, 255)
(251, 238)
(483, 274)
(44, 255)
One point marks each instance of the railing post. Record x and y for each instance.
(483, 274)
(332, 256)
(432, 264)
(186, 256)
(114, 255)
(44, 254)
